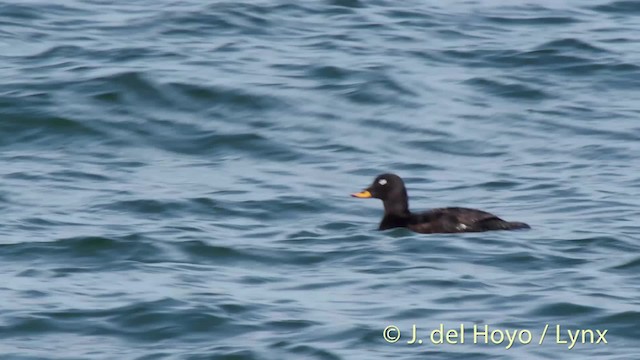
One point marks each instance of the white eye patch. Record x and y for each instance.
(382, 181)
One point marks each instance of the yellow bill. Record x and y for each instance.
(362, 194)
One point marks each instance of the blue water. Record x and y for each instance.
(175, 177)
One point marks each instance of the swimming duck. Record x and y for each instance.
(391, 190)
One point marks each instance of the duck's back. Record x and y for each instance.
(457, 219)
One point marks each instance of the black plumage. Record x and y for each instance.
(391, 190)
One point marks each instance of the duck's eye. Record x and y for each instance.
(382, 181)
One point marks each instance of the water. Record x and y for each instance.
(176, 177)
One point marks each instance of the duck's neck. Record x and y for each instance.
(398, 206)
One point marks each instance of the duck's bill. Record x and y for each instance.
(362, 194)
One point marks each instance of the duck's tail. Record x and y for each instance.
(514, 225)
(498, 224)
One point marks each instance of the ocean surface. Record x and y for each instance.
(175, 178)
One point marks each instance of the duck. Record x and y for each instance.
(391, 190)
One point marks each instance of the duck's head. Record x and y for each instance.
(384, 187)
(390, 189)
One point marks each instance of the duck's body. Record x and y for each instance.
(391, 190)
(449, 220)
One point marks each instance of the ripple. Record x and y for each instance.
(84, 248)
(42, 129)
(542, 58)
(571, 44)
(457, 147)
(625, 322)
(633, 264)
(236, 99)
(511, 90)
(527, 21)
(564, 309)
(20, 12)
(621, 7)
